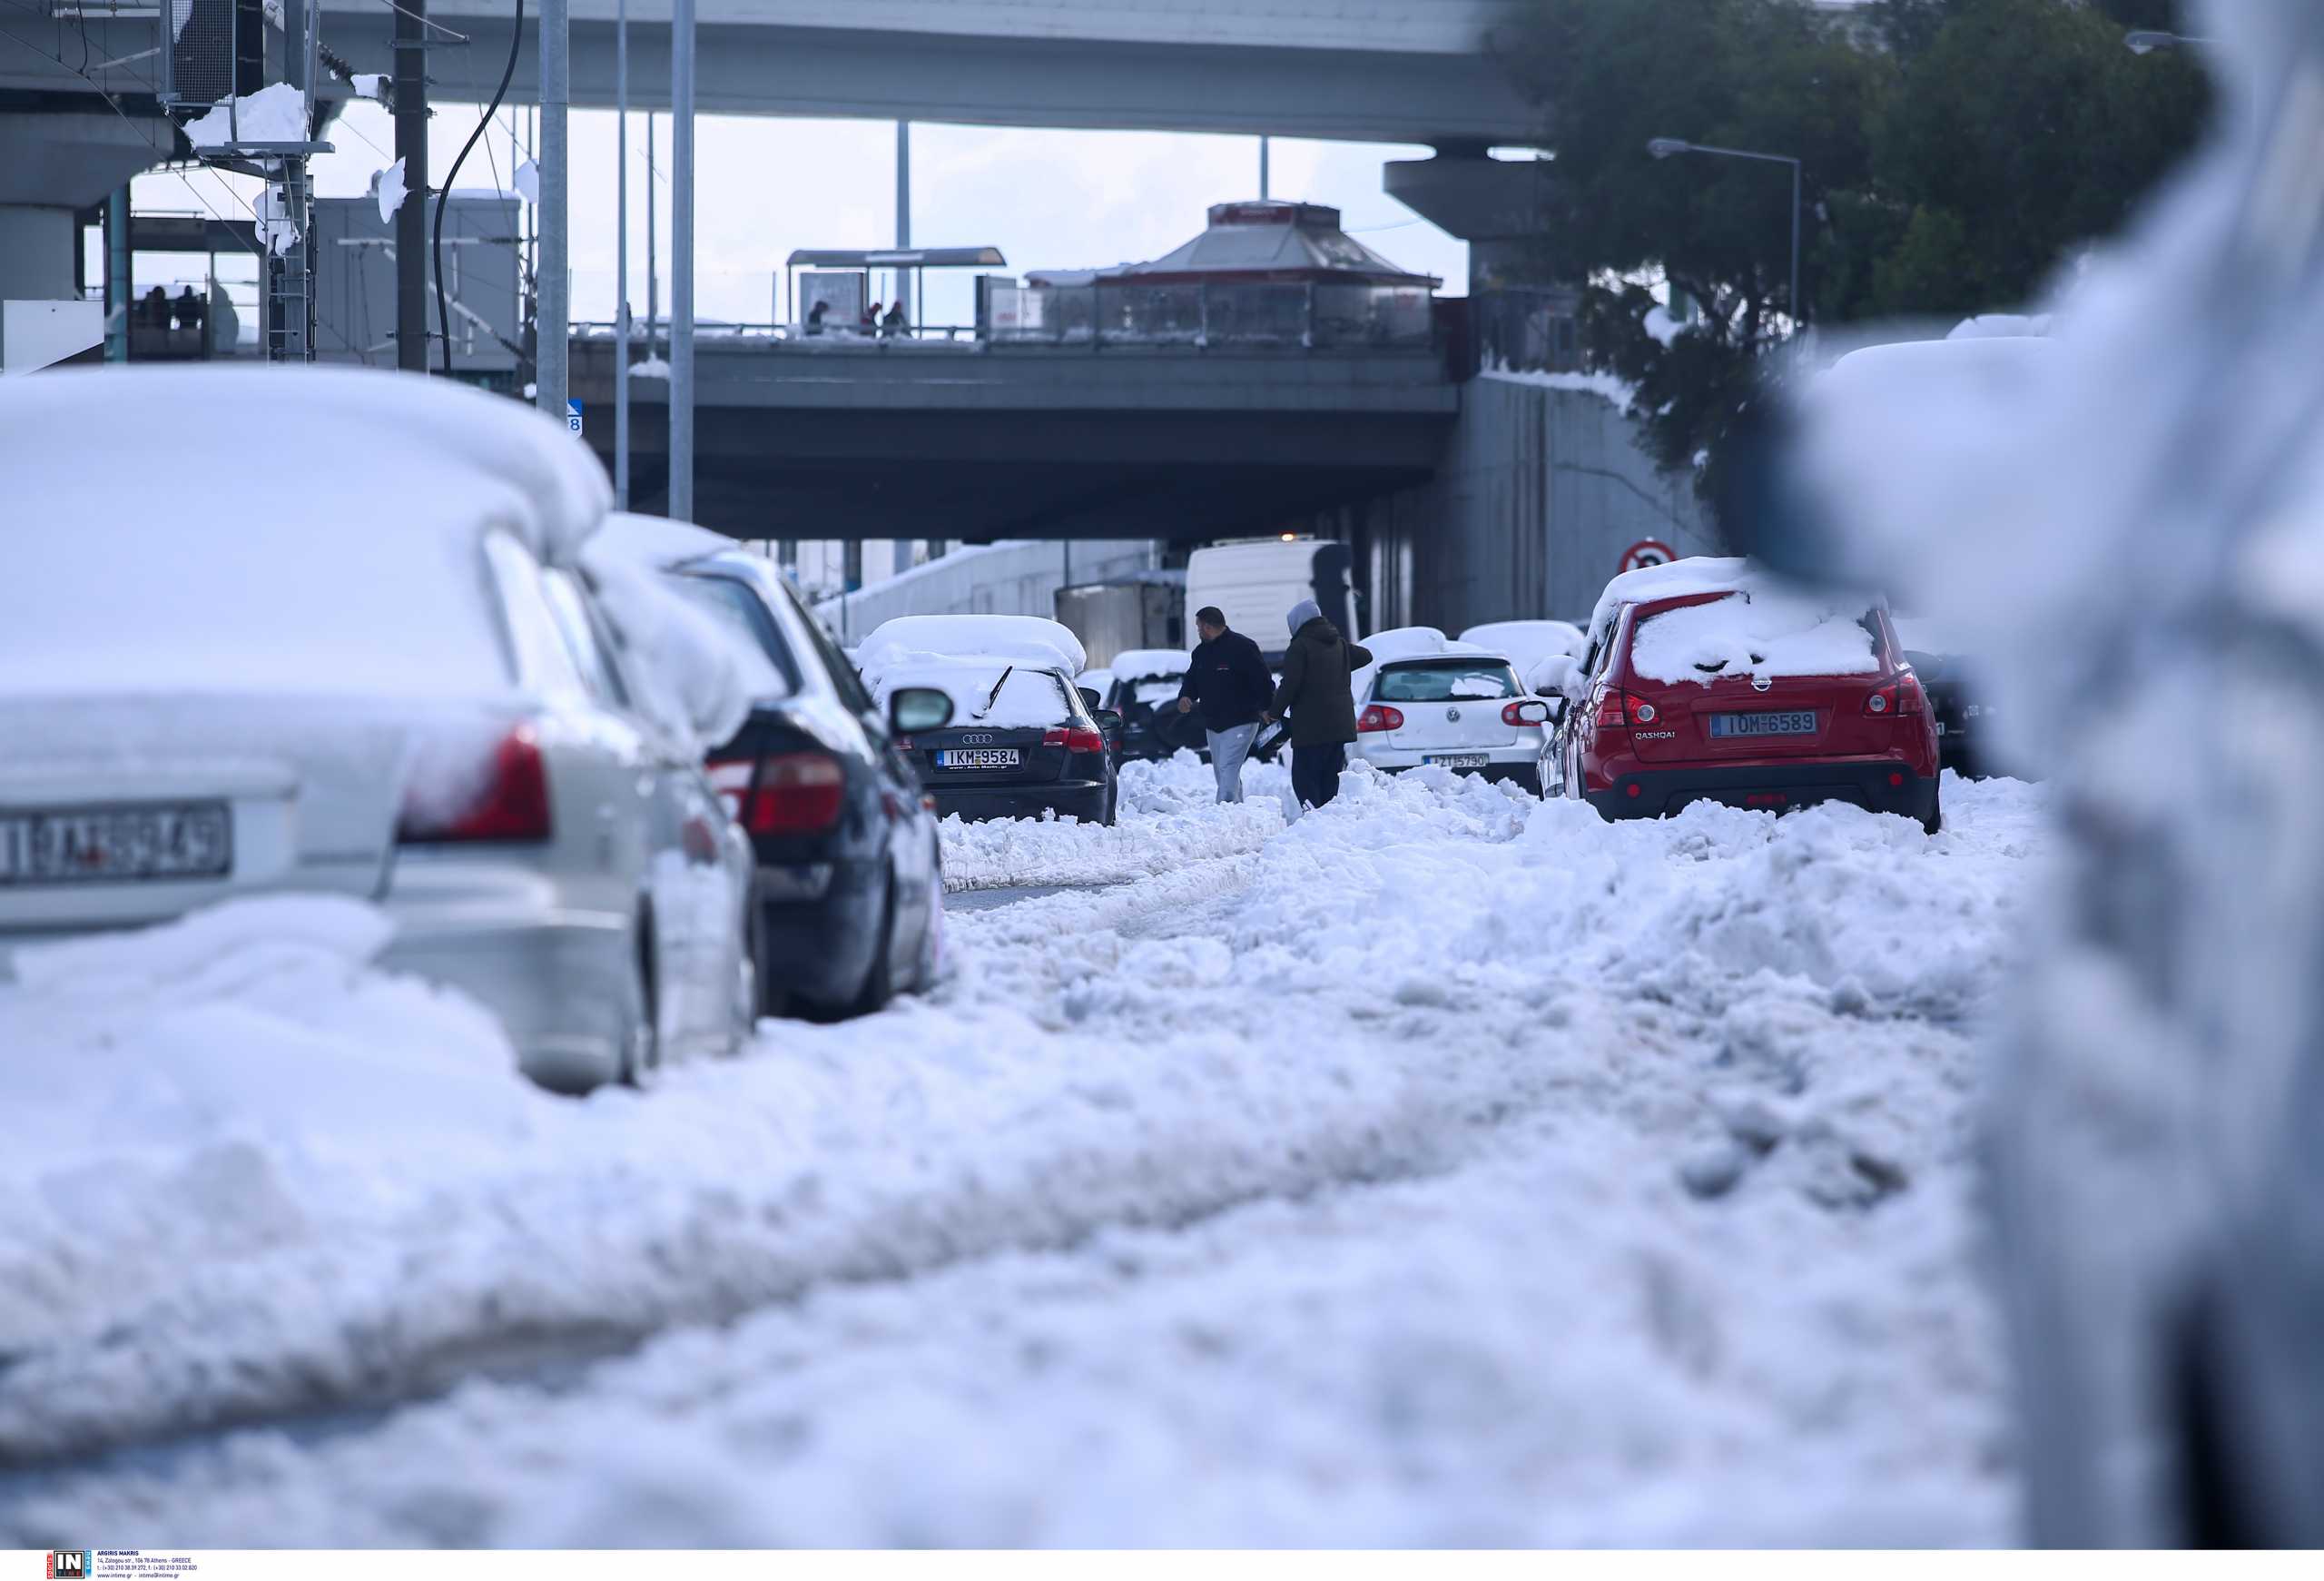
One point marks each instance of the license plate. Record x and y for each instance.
(192, 840)
(1799, 724)
(1458, 760)
(977, 758)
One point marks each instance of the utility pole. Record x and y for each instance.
(1263, 166)
(621, 253)
(411, 219)
(904, 214)
(652, 280)
(681, 506)
(555, 329)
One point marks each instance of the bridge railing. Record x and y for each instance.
(1213, 315)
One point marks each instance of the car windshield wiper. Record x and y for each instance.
(994, 695)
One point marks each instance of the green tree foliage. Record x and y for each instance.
(1956, 153)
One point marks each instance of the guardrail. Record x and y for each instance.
(1254, 314)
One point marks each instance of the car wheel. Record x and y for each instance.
(880, 982)
(642, 1053)
(930, 960)
(1934, 822)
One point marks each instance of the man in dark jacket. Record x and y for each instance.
(1316, 695)
(1228, 681)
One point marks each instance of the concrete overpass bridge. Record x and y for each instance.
(977, 441)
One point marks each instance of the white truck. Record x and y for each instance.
(1255, 583)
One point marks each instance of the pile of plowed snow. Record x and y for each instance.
(1441, 1166)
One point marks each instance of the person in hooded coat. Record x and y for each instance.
(1316, 697)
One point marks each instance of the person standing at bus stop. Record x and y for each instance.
(1228, 680)
(1319, 699)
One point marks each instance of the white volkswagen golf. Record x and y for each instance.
(1427, 700)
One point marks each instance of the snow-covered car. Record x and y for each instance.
(848, 902)
(1962, 706)
(389, 682)
(1708, 680)
(1528, 642)
(1142, 685)
(1021, 740)
(1426, 699)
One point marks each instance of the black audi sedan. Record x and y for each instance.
(1022, 740)
(848, 897)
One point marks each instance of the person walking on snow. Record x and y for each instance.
(1317, 696)
(1229, 681)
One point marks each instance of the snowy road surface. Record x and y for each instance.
(1444, 1167)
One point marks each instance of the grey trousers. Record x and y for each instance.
(1229, 748)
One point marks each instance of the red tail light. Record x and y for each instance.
(1619, 711)
(1379, 716)
(512, 805)
(790, 792)
(1074, 738)
(1901, 696)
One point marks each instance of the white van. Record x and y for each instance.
(1255, 584)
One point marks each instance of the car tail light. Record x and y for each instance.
(512, 805)
(1377, 717)
(786, 793)
(1901, 696)
(1619, 710)
(1074, 738)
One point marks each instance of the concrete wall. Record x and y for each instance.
(1541, 489)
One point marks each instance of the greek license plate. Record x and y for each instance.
(1799, 724)
(195, 840)
(977, 758)
(1457, 760)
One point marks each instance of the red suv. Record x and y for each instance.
(1746, 696)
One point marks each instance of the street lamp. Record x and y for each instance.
(1664, 147)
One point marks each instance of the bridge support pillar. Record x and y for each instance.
(53, 166)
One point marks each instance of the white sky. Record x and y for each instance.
(1047, 199)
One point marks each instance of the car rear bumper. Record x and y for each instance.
(561, 981)
(818, 926)
(1392, 758)
(1875, 785)
(1076, 798)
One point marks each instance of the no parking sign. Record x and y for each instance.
(1647, 553)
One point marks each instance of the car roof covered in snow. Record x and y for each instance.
(1026, 639)
(1140, 664)
(1527, 641)
(306, 528)
(305, 452)
(1406, 643)
(1679, 578)
(655, 540)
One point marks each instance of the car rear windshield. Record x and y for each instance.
(1028, 697)
(1446, 680)
(768, 663)
(1763, 633)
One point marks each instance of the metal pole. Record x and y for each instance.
(555, 310)
(411, 219)
(621, 253)
(652, 288)
(1262, 165)
(682, 261)
(118, 284)
(904, 214)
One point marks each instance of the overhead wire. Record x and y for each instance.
(507, 73)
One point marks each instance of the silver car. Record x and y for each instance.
(396, 688)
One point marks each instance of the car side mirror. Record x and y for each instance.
(1552, 676)
(912, 709)
(1533, 711)
(1091, 698)
(1109, 720)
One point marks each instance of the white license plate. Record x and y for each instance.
(977, 758)
(192, 840)
(1458, 760)
(1799, 723)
